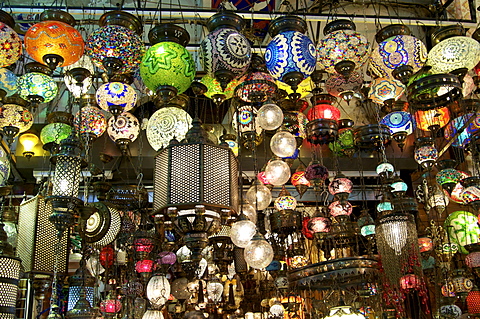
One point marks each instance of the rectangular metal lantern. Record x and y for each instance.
(37, 238)
(193, 174)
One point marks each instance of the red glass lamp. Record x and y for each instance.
(107, 256)
(143, 246)
(473, 301)
(111, 305)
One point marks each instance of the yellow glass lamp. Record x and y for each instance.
(28, 141)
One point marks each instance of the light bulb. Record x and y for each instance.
(277, 172)
(259, 196)
(270, 117)
(283, 144)
(258, 253)
(242, 232)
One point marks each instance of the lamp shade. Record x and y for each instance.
(115, 42)
(383, 89)
(399, 121)
(9, 278)
(90, 121)
(270, 116)
(255, 87)
(116, 97)
(54, 38)
(258, 253)
(125, 126)
(283, 144)
(432, 119)
(454, 53)
(342, 44)
(345, 88)
(214, 89)
(158, 290)
(17, 116)
(462, 138)
(166, 124)
(37, 84)
(225, 53)
(395, 52)
(462, 229)
(11, 45)
(290, 50)
(55, 132)
(244, 120)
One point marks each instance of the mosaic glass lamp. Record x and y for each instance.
(453, 50)
(8, 83)
(59, 127)
(344, 145)
(425, 152)
(340, 187)
(285, 201)
(89, 121)
(448, 176)
(463, 229)
(225, 53)
(461, 131)
(123, 130)
(167, 67)
(432, 120)
(215, 91)
(54, 41)
(37, 86)
(166, 124)
(343, 49)
(116, 97)
(398, 54)
(116, 46)
(10, 43)
(384, 89)
(15, 118)
(299, 180)
(401, 125)
(257, 86)
(290, 56)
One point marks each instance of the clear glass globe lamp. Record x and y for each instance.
(283, 144)
(215, 290)
(242, 231)
(277, 172)
(249, 211)
(270, 117)
(258, 253)
(259, 195)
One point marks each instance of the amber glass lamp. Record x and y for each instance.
(54, 41)
(28, 141)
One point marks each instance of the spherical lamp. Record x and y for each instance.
(36, 85)
(54, 41)
(283, 144)
(123, 129)
(79, 76)
(290, 56)
(116, 97)
(401, 124)
(345, 88)
(277, 172)
(166, 124)
(323, 109)
(15, 118)
(338, 208)
(343, 50)
(153, 314)
(425, 152)
(259, 195)
(385, 89)
(158, 290)
(258, 253)
(270, 116)
(397, 51)
(90, 123)
(116, 46)
(299, 180)
(255, 87)
(462, 228)
(225, 53)
(215, 91)
(242, 232)
(285, 201)
(10, 43)
(167, 67)
(453, 50)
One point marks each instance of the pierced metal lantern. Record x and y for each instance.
(198, 179)
(66, 183)
(35, 246)
(81, 280)
(9, 276)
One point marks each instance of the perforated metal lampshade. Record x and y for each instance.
(9, 276)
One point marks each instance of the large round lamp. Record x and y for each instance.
(10, 42)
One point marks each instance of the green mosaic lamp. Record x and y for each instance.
(167, 68)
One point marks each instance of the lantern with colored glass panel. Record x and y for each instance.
(10, 42)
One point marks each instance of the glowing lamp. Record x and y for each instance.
(344, 312)
(384, 89)
(319, 224)
(55, 132)
(270, 116)
(8, 83)
(158, 290)
(143, 245)
(432, 120)
(299, 180)
(425, 152)
(123, 130)
(116, 48)
(242, 232)
(367, 230)
(90, 123)
(453, 50)
(283, 144)
(225, 53)
(277, 172)
(255, 87)
(396, 53)
(290, 56)
(166, 124)
(116, 97)
(28, 141)
(54, 41)
(79, 76)
(107, 256)
(410, 281)
(343, 49)
(462, 228)
(215, 91)
(262, 177)
(316, 173)
(401, 124)
(385, 169)
(285, 201)
(345, 88)
(259, 195)
(258, 253)
(337, 208)
(340, 185)
(166, 258)
(111, 305)
(144, 266)
(37, 86)
(167, 67)
(398, 188)
(10, 43)
(323, 111)
(425, 244)
(464, 137)
(472, 260)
